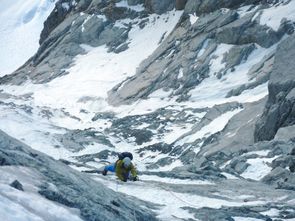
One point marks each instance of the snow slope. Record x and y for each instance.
(21, 23)
(28, 205)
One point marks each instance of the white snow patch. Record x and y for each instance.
(216, 64)
(262, 153)
(238, 218)
(203, 49)
(124, 4)
(103, 17)
(273, 16)
(174, 164)
(229, 176)
(180, 74)
(83, 26)
(29, 204)
(66, 6)
(258, 168)
(21, 23)
(214, 126)
(35, 132)
(176, 132)
(213, 91)
(193, 18)
(271, 213)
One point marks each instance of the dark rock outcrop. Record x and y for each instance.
(207, 6)
(159, 7)
(17, 185)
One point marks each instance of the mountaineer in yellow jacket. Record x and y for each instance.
(124, 169)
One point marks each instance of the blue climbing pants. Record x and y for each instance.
(111, 167)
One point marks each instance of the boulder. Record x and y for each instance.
(17, 185)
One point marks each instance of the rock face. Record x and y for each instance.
(207, 6)
(73, 189)
(280, 107)
(197, 42)
(64, 32)
(159, 7)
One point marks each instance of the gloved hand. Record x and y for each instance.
(135, 178)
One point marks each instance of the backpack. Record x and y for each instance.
(125, 154)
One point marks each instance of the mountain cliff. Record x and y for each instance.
(201, 92)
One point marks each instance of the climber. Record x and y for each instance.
(123, 168)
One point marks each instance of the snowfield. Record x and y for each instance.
(21, 23)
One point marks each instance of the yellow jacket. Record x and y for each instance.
(122, 172)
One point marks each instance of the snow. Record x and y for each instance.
(262, 153)
(216, 64)
(193, 18)
(176, 132)
(203, 49)
(21, 23)
(213, 127)
(273, 16)
(238, 218)
(83, 28)
(245, 10)
(173, 180)
(180, 75)
(171, 202)
(28, 205)
(32, 131)
(272, 212)
(97, 78)
(258, 168)
(174, 164)
(229, 176)
(66, 6)
(212, 91)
